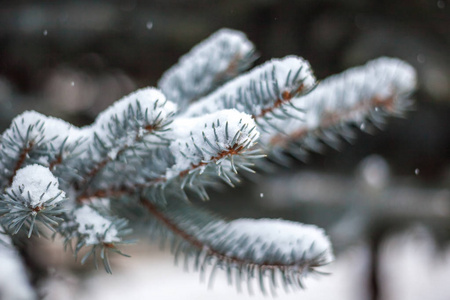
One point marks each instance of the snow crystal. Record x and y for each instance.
(96, 228)
(196, 72)
(247, 87)
(37, 184)
(375, 171)
(219, 128)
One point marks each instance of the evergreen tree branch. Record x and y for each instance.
(129, 128)
(217, 59)
(34, 196)
(33, 138)
(236, 247)
(217, 142)
(260, 91)
(145, 147)
(361, 96)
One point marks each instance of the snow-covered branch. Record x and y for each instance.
(264, 250)
(260, 91)
(34, 195)
(151, 145)
(217, 59)
(361, 96)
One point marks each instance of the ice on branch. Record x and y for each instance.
(95, 228)
(360, 95)
(260, 91)
(210, 138)
(34, 195)
(220, 57)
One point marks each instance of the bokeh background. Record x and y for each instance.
(385, 200)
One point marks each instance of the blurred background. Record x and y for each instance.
(384, 201)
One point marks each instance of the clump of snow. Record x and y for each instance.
(97, 228)
(276, 241)
(255, 90)
(37, 185)
(197, 71)
(350, 95)
(202, 138)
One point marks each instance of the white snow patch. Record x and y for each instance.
(152, 103)
(148, 98)
(97, 228)
(55, 130)
(294, 241)
(37, 184)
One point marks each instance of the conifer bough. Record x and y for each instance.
(204, 124)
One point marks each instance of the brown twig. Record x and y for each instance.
(236, 149)
(286, 96)
(22, 157)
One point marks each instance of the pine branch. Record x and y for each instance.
(93, 226)
(218, 142)
(268, 251)
(361, 96)
(260, 91)
(131, 127)
(34, 196)
(145, 147)
(217, 59)
(35, 138)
